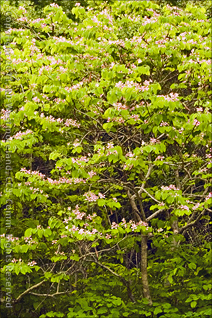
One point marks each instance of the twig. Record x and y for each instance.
(29, 289)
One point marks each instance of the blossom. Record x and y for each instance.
(114, 225)
(196, 206)
(164, 123)
(172, 97)
(133, 227)
(209, 196)
(110, 145)
(90, 196)
(20, 134)
(91, 173)
(196, 122)
(54, 5)
(135, 116)
(159, 158)
(170, 187)
(153, 140)
(184, 207)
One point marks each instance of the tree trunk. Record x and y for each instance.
(144, 275)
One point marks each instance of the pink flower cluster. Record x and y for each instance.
(91, 173)
(159, 158)
(196, 122)
(171, 97)
(143, 88)
(74, 87)
(120, 106)
(29, 240)
(32, 263)
(30, 172)
(209, 196)
(5, 115)
(164, 123)
(116, 119)
(131, 223)
(184, 207)
(37, 20)
(16, 260)
(54, 5)
(79, 215)
(129, 154)
(153, 141)
(91, 197)
(53, 61)
(117, 42)
(20, 134)
(71, 122)
(22, 19)
(61, 180)
(170, 187)
(11, 238)
(59, 100)
(45, 68)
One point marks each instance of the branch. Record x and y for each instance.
(51, 295)
(154, 214)
(151, 196)
(134, 206)
(184, 228)
(122, 279)
(29, 289)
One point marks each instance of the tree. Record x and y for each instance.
(110, 161)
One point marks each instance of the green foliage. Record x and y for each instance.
(109, 143)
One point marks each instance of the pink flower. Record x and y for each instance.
(91, 197)
(196, 206)
(164, 123)
(114, 225)
(184, 207)
(159, 158)
(102, 196)
(136, 117)
(110, 145)
(209, 196)
(54, 5)
(133, 227)
(196, 122)
(153, 140)
(170, 187)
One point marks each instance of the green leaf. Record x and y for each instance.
(193, 304)
(75, 257)
(28, 232)
(102, 310)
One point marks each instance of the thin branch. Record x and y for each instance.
(184, 228)
(151, 196)
(29, 289)
(122, 279)
(154, 214)
(51, 295)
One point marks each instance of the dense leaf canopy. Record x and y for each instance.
(106, 130)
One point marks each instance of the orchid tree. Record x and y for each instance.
(110, 161)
